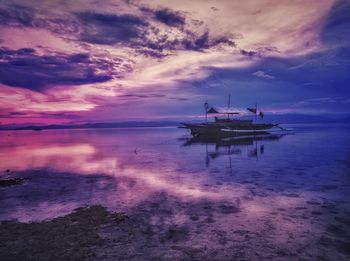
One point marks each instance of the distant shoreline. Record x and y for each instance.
(280, 119)
(95, 126)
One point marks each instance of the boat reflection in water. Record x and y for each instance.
(241, 146)
(271, 191)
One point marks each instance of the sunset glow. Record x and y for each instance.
(141, 60)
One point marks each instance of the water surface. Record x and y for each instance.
(277, 188)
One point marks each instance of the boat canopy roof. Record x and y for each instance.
(214, 111)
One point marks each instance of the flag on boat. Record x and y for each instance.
(253, 110)
(261, 114)
(212, 110)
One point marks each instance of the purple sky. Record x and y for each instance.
(95, 61)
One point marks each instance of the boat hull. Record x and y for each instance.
(226, 130)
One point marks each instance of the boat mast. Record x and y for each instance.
(206, 106)
(256, 110)
(228, 106)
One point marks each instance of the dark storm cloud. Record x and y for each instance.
(197, 43)
(17, 15)
(248, 53)
(260, 51)
(151, 53)
(145, 95)
(165, 16)
(135, 31)
(101, 28)
(158, 47)
(130, 96)
(24, 68)
(169, 17)
(139, 33)
(25, 16)
(189, 40)
(337, 26)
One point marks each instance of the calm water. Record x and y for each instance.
(120, 168)
(277, 197)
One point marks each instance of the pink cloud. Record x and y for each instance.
(190, 38)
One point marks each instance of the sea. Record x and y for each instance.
(283, 195)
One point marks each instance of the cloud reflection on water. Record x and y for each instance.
(251, 196)
(123, 168)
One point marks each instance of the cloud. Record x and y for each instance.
(261, 51)
(262, 74)
(99, 28)
(298, 66)
(137, 96)
(248, 53)
(140, 33)
(185, 36)
(17, 15)
(195, 43)
(20, 16)
(24, 68)
(175, 45)
(321, 101)
(337, 25)
(169, 17)
(161, 45)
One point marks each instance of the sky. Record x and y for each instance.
(72, 62)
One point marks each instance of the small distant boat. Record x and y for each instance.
(230, 127)
(37, 129)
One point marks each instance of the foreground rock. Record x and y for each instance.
(11, 182)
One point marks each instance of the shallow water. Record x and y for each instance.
(121, 167)
(295, 185)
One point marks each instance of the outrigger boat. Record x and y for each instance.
(230, 127)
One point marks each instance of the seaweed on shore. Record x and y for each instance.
(64, 238)
(11, 182)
